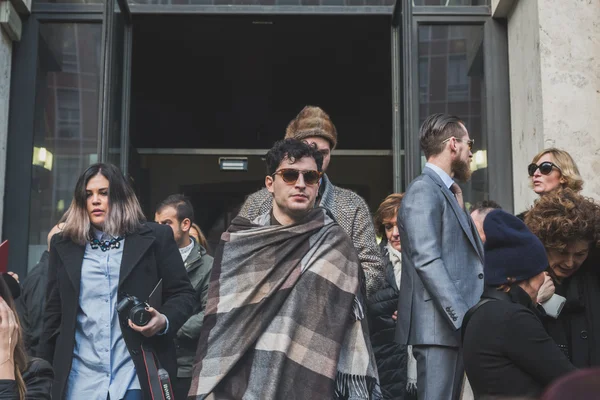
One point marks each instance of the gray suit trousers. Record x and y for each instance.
(440, 372)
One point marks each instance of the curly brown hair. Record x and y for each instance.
(387, 209)
(563, 216)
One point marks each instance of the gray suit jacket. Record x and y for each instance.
(442, 260)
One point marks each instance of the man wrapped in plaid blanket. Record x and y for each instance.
(284, 317)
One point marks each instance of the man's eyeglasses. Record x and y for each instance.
(290, 175)
(469, 142)
(545, 168)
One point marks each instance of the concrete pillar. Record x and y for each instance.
(554, 62)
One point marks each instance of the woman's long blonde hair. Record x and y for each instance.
(124, 215)
(20, 356)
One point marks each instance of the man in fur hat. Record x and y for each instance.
(313, 126)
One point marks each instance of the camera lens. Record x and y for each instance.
(139, 315)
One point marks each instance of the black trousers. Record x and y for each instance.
(181, 387)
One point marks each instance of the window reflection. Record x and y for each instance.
(389, 3)
(451, 81)
(449, 3)
(66, 113)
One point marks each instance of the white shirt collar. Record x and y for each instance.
(448, 181)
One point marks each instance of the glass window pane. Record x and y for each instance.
(70, 1)
(449, 3)
(66, 127)
(388, 3)
(451, 81)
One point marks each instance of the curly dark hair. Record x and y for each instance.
(563, 216)
(294, 150)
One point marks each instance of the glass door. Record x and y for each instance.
(114, 128)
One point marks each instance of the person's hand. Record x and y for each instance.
(547, 289)
(9, 332)
(15, 276)
(157, 324)
(395, 315)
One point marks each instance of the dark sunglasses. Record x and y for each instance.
(290, 175)
(545, 168)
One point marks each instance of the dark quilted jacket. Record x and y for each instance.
(390, 356)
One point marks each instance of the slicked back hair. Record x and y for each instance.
(181, 204)
(437, 128)
(291, 149)
(124, 215)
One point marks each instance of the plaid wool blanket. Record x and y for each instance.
(284, 317)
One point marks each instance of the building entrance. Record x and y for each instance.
(205, 88)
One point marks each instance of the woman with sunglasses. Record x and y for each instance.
(552, 169)
(568, 226)
(20, 378)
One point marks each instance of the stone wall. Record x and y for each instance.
(5, 67)
(554, 57)
(526, 104)
(570, 60)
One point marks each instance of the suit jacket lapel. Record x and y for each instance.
(136, 245)
(460, 213)
(72, 256)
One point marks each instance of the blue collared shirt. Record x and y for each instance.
(101, 364)
(448, 181)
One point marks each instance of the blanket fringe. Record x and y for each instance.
(411, 388)
(358, 309)
(355, 387)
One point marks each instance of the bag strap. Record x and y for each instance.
(152, 366)
(470, 313)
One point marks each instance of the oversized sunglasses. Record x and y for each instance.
(545, 168)
(290, 175)
(469, 142)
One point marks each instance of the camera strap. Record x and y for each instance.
(158, 378)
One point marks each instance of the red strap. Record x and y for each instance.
(156, 392)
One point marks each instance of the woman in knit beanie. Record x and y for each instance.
(506, 350)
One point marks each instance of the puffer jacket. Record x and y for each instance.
(198, 265)
(391, 357)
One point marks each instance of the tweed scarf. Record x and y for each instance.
(284, 317)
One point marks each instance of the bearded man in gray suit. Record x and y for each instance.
(442, 257)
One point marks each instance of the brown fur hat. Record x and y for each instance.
(310, 122)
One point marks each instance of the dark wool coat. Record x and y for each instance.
(30, 305)
(577, 329)
(38, 382)
(507, 351)
(390, 356)
(148, 255)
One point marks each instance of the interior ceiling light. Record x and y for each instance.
(233, 163)
(262, 22)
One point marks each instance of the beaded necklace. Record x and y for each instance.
(106, 245)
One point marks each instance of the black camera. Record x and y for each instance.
(130, 307)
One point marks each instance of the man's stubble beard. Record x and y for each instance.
(462, 170)
(294, 214)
